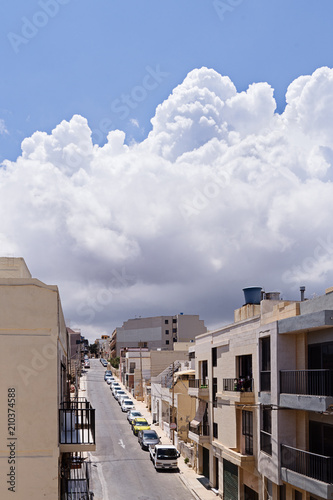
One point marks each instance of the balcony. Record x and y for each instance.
(199, 434)
(76, 426)
(198, 388)
(238, 390)
(307, 470)
(310, 390)
(75, 479)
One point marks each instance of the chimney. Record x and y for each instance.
(302, 290)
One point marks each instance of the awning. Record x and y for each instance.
(199, 414)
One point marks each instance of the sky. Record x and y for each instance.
(158, 157)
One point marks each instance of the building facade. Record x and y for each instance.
(43, 432)
(160, 332)
(263, 426)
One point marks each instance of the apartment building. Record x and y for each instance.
(138, 365)
(159, 332)
(43, 432)
(263, 426)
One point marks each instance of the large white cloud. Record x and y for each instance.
(223, 193)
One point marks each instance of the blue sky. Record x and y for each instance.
(162, 167)
(82, 56)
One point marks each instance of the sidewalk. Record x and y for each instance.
(194, 482)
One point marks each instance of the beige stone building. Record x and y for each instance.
(264, 389)
(42, 432)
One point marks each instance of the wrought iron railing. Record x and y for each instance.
(308, 464)
(198, 383)
(238, 384)
(200, 430)
(76, 422)
(75, 479)
(309, 382)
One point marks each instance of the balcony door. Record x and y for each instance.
(321, 438)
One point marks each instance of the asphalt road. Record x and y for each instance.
(120, 469)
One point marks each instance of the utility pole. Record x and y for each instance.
(141, 378)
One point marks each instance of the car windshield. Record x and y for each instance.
(135, 414)
(150, 435)
(141, 423)
(167, 453)
(127, 402)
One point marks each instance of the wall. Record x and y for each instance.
(33, 341)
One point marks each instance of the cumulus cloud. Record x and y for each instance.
(223, 193)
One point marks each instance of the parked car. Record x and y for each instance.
(114, 386)
(108, 373)
(121, 397)
(118, 393)
(140, 424)
(147, 438)
(109, 380)
(132, 414)
(127, 404)
(87, 364)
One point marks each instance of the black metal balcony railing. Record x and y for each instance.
(309, 382)
(198, 383)
(266, 442)
(238, 384)
(308, 464)
(265, 381)
(76, 422)
(75, 479)
(200, 430)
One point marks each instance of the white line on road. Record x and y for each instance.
(121, 443)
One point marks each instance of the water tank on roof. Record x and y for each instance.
(252, 294)
(272, 295)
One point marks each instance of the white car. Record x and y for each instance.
(132, 414)
(119, 393)
(115, 387)
(127, 405)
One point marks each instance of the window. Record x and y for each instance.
(266, 430)
(167, 342)
(247, 431)
(166, 332)
(214, 356)
(174, 330)
(215, 430)
(265, 374)
(132, 367)
(166, 321)
(214, 392)
(174, 320)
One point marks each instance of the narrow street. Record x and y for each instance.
(120, 469)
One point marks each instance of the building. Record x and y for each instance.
(160, 332)
(264, 389)
(43, 432)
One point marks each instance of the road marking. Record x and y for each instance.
(102, 481)
(121, 443)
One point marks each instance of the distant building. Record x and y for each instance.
(160, 332)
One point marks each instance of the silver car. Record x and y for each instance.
(147, 438)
